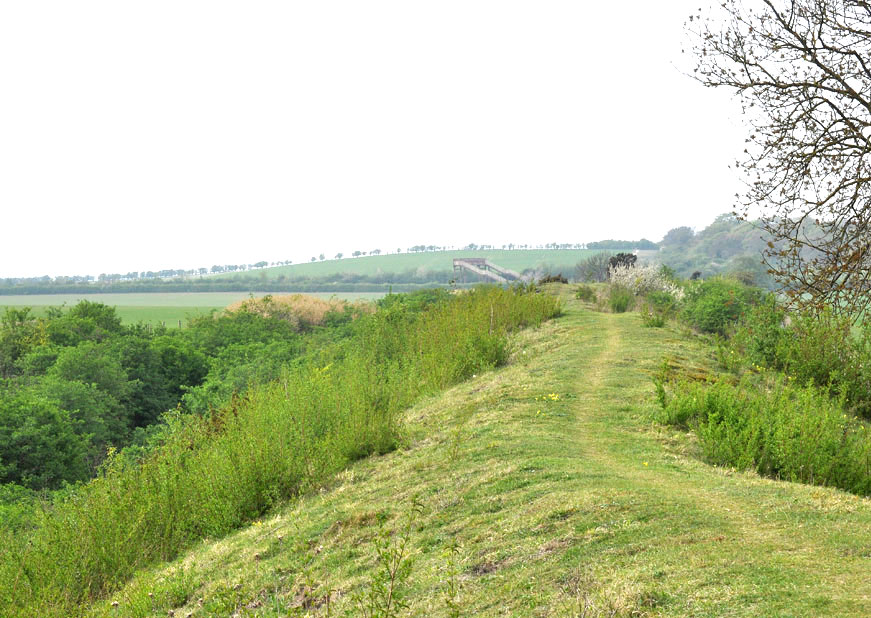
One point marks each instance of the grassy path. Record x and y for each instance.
(558, 497)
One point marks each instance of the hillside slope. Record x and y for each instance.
(542, 490)
(433, 261)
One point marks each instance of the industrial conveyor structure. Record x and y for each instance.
(487, 269)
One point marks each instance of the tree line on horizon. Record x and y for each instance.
(77, 284)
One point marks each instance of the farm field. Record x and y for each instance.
(154, 308)
(519, 260)
(539, 489)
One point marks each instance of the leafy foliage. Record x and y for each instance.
(818, 348)
(39, 444)
(728, 246)
(620, 298)
(771, 425)
(716, 305)
(585, 293)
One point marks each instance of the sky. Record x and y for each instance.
(180, 134)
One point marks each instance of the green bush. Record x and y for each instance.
(585, 293)
(780, 429)
(718, 304)
(817, 347)
(39, 445)
(651, 317)
(761, 334)
(662, 302)
(17, 506)
(620, 299)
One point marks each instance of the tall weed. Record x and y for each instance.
(817, 347)
(780, 429)
(620, 298)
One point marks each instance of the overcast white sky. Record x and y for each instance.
(179, 134)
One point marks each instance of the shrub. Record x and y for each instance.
(816, 347)
(657, 308)
(661, 301)
(779, 429)
(716, 305)
(651, 317)
(39, 446)
(641, 280)
(620, 298)
(593, 269)
(558, 278)
(760, 335)
(303, 311)
(585, 293)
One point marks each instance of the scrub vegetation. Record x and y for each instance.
(207, 472)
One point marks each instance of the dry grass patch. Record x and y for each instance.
(302, 310)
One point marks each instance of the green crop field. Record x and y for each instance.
(519, 260)
(155, 308)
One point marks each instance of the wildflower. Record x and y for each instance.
(645, 463)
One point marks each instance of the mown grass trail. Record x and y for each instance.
(558, 496)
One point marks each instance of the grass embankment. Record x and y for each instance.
(543, 490)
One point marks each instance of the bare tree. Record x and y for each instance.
(802, 71)
(593, 268)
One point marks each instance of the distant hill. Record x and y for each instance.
(727, 246)
(369, 274)
(550, 260)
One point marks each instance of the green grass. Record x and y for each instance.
(153, 308)
(545, 488)
(560, 260)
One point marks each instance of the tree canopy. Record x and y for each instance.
(802, 71)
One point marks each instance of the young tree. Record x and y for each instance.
(593, 268)
(802, 71)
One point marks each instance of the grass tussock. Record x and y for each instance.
(216, 472)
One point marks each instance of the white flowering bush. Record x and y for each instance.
(642, 280)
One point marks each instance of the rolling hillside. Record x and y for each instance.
(541, 489)
(433, 261)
